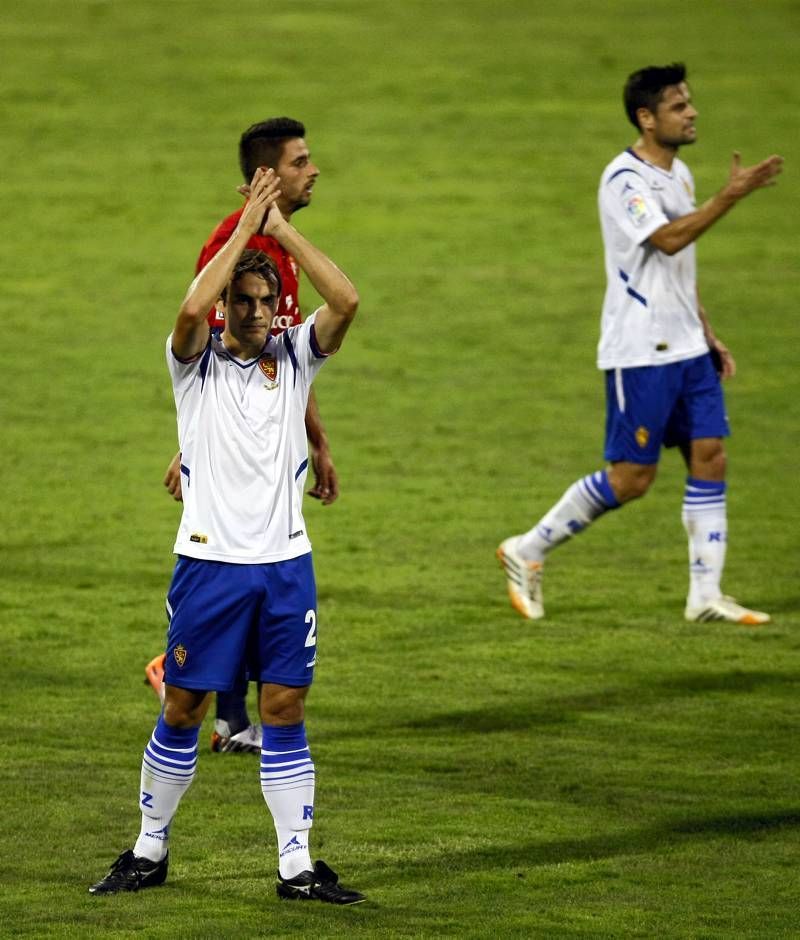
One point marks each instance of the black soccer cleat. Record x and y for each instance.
(130, 873)
(322, 884)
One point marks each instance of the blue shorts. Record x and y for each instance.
(228, 620)
(651, 406)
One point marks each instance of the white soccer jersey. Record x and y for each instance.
(244, 455)
(650, 308)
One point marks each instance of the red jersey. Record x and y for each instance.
(288, 313)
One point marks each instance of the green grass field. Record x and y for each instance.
(609, 772)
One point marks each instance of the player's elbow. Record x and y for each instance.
(347, 304)
(665, 243)
(192, 312)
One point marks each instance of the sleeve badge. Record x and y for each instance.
(636, 208)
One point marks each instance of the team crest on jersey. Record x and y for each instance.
(180, 654)
(642, 436)
(269, 366)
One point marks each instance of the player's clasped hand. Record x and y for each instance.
(260, 205)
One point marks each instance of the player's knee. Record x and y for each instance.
(631, 481)
(709, 461)
(177, 716)
(717, 464)
(282, 705)
(288, 713)
(183, 708)
(640, 485)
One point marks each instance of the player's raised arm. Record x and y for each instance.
(335, 288)
(191, 327)
(679, 233)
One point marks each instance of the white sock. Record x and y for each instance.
(287, 782)
(168, 768)
(586, 500)
(705, 519)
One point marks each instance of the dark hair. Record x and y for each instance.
(645, 88)
(255, 261)
(262, 144)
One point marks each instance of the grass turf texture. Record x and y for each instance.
(612, 771)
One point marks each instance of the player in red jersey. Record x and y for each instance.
(278, 143)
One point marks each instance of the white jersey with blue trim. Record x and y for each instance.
(244, 453)
(650, 314)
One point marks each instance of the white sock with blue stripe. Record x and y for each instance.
(586, 500)
(287, 782)
(705, 519)
(168, 768)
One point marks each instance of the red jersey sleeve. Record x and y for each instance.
(217, 239)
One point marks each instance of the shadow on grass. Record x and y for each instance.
(561, 709)
(520, 856)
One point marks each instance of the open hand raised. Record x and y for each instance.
(744, 179)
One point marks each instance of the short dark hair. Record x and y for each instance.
(255, 261)
(645, 88)
(262, 144)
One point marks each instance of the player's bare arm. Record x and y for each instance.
(333, 286)
(326, 482)
(191, 331)
(742, 181)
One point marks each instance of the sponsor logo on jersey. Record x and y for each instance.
(269, 366)
(636, 208)
(196, 537)
(642, 436)
(180, 655)
(281, 322)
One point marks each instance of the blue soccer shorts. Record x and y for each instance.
(653, 406)
(228, 620)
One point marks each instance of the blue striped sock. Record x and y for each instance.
(168, 768)
(597, 484)
(582, 503)
(704, 493)
(705, 519)
(287, 782)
